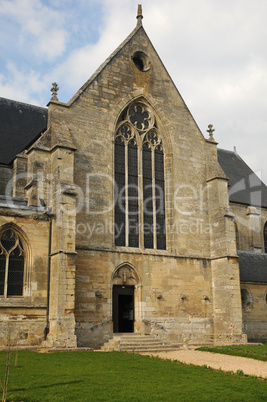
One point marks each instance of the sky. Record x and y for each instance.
(214, 50)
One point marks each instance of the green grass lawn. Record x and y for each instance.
(118, 376)
(258, 352)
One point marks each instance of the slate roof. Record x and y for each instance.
(245, 186)
(253, 266)
(20, 125)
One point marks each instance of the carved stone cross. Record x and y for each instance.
(211, 131)
(54, 90)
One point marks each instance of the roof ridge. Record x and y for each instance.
(23, 103)
(227, 150)
(232, 153)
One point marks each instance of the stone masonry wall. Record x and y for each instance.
(23, 319)
(173, 298)
(254, 311)
(249, 239)
(198, 226)
(180, 292)
(92, 118)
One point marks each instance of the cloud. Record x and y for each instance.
(18, 85)
(41, 28)
(81, 63)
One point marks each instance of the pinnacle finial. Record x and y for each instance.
(211, 131)
(54, 91)
(139, 14)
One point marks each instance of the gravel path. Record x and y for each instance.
(217, 361)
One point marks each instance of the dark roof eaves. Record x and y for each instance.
(238, 172)
(21, 125)
(246, 204)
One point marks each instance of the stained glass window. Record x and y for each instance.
(160, 199)
(265, 237)
(139, 176)
(2, 273)
(120, 193)
(147, 197)
(133, 211)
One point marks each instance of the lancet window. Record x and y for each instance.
(12, 260)
(139, 177)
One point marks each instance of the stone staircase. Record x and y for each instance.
(135, 342)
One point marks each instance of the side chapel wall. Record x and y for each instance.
(254, 311)
(23, 318)
(250, 226)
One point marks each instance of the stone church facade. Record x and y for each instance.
(118, 215)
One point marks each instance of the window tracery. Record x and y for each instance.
(12, 259)
(139, 176)
(140, 117)
(246, 298)
(138, 123)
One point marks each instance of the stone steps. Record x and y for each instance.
(139, 343)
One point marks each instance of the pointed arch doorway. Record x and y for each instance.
(123, 308)
(124, 281)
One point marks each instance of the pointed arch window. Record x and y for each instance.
(265, 237)
(12, 261)
(139, 177)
